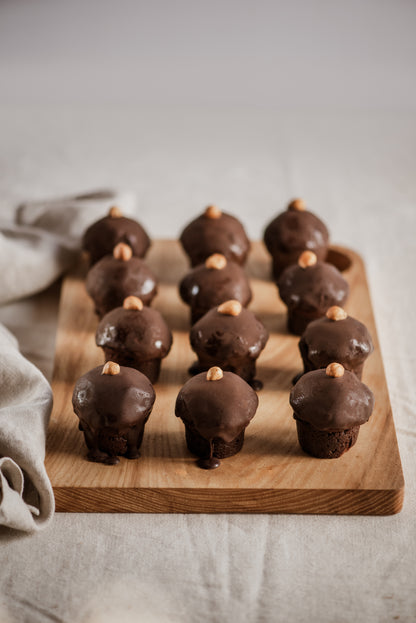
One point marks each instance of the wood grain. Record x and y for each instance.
(271, 474)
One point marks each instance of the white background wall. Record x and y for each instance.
(301, 55)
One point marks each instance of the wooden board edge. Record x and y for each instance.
(284, 501)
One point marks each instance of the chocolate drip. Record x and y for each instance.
(106, 445)
(211, 462)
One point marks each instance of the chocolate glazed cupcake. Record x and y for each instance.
(231, 337)
(119, 275)
(135, 336)
(113, 404)
(103, 235)
(292, 232)
(309, 288)
(212, 283)
(216, 408)
(336, 337)
(215, 232)
(329, 407)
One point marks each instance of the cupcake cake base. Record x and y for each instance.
(325, 444)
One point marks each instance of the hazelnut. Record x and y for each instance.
(212, 212)
(297, 204)
(335, 369)
(230, 308)
(336, 313)
(111, 368)
(216, 261)
(133, 302)
(122, 251)
(306, 259)
(115, 212)
(214, 374)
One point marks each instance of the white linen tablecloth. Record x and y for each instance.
(357, 173)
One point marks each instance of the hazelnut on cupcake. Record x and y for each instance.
(308, 289)
(215, 407)
(329, 407)
(231, 337)
(102, 236)
(336, 337)
(119, 275)
(293, 231)
(213, 282)
(113, 404)
(215, 231)
(135, 336)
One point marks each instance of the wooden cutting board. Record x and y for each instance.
(271, 474)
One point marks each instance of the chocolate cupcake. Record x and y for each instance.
(216, 408)
(232, 338)
(292, 232)
(135, 336)
(215, 232)
(329, 407)
(309, 288)
(119, 275)
(103, 235)
(212, 283)
(335, 337)
(113, 404)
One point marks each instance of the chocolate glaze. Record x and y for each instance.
(209, 463)
(292, 232)
(231, 342)
(216, 410)
(345, 341)
(113, 410)
(103, 235)
(309, 292)
(203, 288)
(205, 236)
(142, 332)
(329, 403)
(110, 280)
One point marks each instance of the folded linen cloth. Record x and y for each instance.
(27, 501)
(34, 252)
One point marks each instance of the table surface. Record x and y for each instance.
(354, 165)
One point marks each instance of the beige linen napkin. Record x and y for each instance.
(34, 251)
(27, 501)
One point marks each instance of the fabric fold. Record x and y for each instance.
(27, 501)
